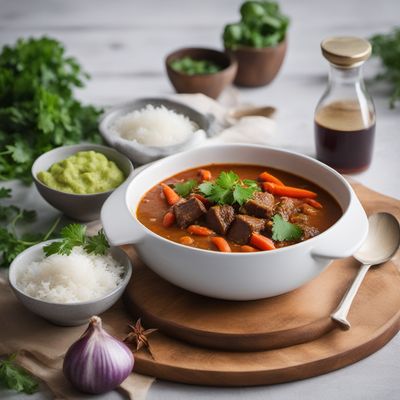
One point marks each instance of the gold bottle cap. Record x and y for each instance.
(346, 51)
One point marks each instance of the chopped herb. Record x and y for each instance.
(284, 231)
(14, 377)
(185, 188)
(190, 66)
(229, 189)
(75, 235)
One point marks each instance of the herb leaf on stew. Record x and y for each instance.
(14, 377)
(284, 231)
(229, 189)
(185, 188)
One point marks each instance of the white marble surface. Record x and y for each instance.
(123, 44)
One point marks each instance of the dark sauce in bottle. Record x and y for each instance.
(344, 137)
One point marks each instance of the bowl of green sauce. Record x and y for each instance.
(200, 70)
(78, 179)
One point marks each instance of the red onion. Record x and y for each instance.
(97, 362)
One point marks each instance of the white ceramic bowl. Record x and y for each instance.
(236, 276)
(66, 314)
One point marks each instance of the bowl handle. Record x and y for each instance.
(119, 224)
(345, 238)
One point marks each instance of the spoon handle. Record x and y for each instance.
(340, 314)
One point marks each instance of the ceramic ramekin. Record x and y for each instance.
(70, 314)
(236, 276)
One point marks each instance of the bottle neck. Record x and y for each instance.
(345, 76)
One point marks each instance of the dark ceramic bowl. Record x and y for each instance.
(80, 207)
(208, 84)
(258, 67)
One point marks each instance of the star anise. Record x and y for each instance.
(139, 336)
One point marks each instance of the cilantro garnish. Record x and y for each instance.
(185, 188)
(228, 188)
(285, 231)
(75, 235)
(14, 377)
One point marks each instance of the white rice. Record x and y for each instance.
(154, 126)
(68, 279)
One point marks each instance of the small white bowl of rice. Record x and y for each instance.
(68, 290)
(152, 128)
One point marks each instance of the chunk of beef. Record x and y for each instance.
(298, 218)
(287, 206)
(243, 226)
(261, 205)
(187, 212)
(308, 231)
(308, 210)
(219, 218)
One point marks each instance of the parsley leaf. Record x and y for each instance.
(14, 377)
(283, 230)
(185, 188)
(72, 235)
(97, 244)
(229, 189)
(75, 235)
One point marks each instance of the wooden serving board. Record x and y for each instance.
(224, 343)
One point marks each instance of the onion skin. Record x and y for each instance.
(97, 362)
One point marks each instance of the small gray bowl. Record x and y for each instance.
(141, 154)
(71, 314)
(80, 207)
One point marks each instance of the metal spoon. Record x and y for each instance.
(381, 244)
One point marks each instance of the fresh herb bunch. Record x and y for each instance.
(228, 188)
(12, 243)
(14, 377)
(190, 66)
(262, 25)
(38, 110)
(75, 235)
(387, 47)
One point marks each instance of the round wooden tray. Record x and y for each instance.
(294, 331)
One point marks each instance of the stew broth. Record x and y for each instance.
(153, 206)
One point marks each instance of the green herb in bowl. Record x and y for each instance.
(262, 25)
(190, 66)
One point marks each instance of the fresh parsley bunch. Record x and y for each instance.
(387, 47)
(38, 110)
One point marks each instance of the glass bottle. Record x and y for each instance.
(345, 115)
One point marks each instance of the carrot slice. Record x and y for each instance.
(261, 242)
(247, 249)
(267, 177)
(314, 203)
(169, 219)
(187, 240)
(206, 202)
(221, 244)
(205, 175)
(199, 230)
(170, 195)
(287, 191)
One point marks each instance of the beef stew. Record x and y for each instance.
(237, 208)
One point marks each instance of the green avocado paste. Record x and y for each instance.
(85, 172)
